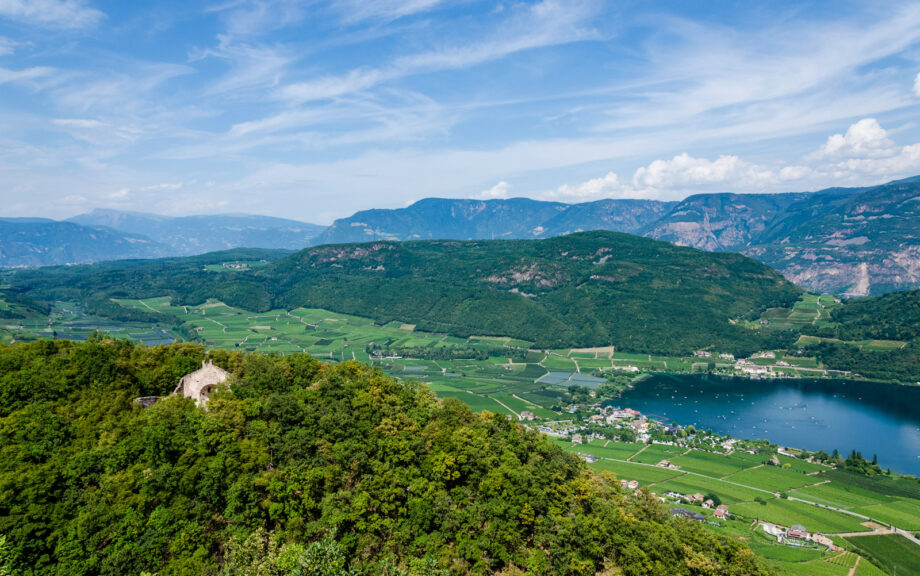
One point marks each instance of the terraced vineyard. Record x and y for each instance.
(797, 492)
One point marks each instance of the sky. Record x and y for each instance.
(313, 110)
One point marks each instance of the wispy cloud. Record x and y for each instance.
(353, 11)
(7, 46)
(250, 65)
(57, 14)
(248, 18)
(547, 23)
(25, 75)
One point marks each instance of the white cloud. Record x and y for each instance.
(864, 139)
(863, 155)
(58, 14)
(917, 86)
(498, 191)
(607, 186)
(684, 171)
(253, 17)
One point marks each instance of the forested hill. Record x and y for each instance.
(586, 289)
(301, 468)
(893, 317)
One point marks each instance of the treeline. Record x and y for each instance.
(894, 316)
(901, 365)
(301, 468)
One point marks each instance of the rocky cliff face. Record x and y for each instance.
(720, 221)
(853, 242)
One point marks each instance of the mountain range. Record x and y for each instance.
(113, 235)
(849, 241)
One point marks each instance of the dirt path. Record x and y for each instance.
(855, 566)
(872, 533)
(637, 453)
(527, 401)
(218, 323)
(742, 470)
(503, 404)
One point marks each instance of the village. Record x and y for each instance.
(614, 430)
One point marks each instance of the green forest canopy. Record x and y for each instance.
(300, 468)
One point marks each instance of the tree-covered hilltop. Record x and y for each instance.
(586, 289)
(894, 316)
(301, 468)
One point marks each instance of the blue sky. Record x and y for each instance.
(316, 109)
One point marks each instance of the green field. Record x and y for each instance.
(691, 484)
(840, 495)
(716, 465)
(645, 475)
(788, 512)
(772, 478)
(891, 553)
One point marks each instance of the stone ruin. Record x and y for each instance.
(201, 383)
(197, 385)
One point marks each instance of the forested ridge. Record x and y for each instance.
(300, 468)
(586, 289)
(894, 316)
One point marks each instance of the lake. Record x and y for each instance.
(874, 418)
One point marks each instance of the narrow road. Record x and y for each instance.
(503, 404)
(636, 454)
(855, 566)
(527, 401)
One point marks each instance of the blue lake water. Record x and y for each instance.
(874, 418)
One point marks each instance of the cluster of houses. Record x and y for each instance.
(797, 535)
(611, 416)
(721, 511)
(747, 365)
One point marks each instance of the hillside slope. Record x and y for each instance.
(585, 289)
(891, 317)
(302, 468)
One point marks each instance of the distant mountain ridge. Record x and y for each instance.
(850, 241)
(113, 235)
(190, 235)
(518, 218)
(38, 242)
